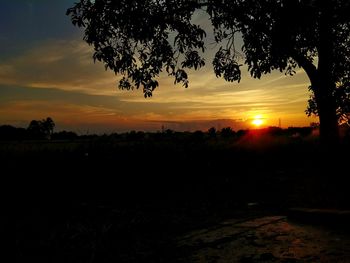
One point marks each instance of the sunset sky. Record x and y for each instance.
(46, 69)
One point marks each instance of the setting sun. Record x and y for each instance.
(257, 121)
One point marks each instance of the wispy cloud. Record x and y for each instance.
(61, 64)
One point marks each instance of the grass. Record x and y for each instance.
(254, 166)
(123, 197)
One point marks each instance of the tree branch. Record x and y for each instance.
(307, 65)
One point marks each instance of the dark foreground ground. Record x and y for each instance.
(176, 199)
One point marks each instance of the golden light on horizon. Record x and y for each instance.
(257, 121)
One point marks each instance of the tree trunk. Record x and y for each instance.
(323, 88)
(324, 82)
(329, 130)
(326, 107)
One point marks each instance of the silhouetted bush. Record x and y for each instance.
(8, 132)
(227, 132)
(135, 135)
(212, 132)
(64, 135)
(275, 131)
(241, 133)
(299, 131)
(198, 136)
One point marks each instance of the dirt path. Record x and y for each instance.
(264, 239)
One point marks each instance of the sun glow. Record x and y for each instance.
(257, 121)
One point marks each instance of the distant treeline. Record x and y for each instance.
(9, 133)
(44, 130)
(36, 130)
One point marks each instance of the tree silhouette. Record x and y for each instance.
(134, 38)
(212, 132)
(41, 129)
(48, 126)
(227, 132)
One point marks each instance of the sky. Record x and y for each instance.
(47, 70)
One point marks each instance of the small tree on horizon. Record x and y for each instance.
(212, 132)
(42, 129)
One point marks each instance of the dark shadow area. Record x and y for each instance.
(126, 197)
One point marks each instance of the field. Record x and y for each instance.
(124, 197)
